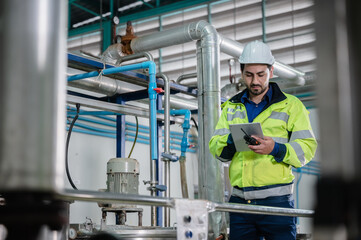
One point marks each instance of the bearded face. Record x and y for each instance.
(256, 78)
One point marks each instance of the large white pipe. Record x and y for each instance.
(32, 90)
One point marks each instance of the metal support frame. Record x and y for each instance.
(148, 13)
(107, 197)
(107, 34)
(84, 9)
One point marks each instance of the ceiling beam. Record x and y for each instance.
(144, 14)
(147, 4)
(85, 9)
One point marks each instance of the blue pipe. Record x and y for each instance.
(97, 121)
(172, 136)
(100, 113)
(152, 94)
(113, 70)
(172, 132)
(139, 135)
(186, 126)
(91, 132)
(114, 132)
(94, 128)
(127, 139)
(94, 113)
(297, 188)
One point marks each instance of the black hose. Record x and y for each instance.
(136, 136)
(195, 123)
(67, 146)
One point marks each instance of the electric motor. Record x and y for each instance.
(123, 175)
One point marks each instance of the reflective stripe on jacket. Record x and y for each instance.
(286, 120)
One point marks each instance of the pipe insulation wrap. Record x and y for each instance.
(174, 36)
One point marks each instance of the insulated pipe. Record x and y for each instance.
(212, 188)
(235, 49)
(187, 76)
(166, 142)
(111, 87)
(135, 56)
(211, 185)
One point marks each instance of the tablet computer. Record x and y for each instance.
(237, 134)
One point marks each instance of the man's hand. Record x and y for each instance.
(266, 145)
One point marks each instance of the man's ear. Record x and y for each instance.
(271, 72)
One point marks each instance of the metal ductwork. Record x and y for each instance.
(235, 49)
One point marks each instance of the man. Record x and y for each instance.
(263, 175)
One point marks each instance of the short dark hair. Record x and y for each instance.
(242, 67)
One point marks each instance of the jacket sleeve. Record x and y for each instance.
(221, 144)
(302, 143)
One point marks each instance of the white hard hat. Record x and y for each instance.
(256, 52)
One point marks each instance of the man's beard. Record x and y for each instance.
(256, 92)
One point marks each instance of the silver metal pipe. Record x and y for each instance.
(107, 197)
(209, 97)
(230, 47)
(116, 108)
(32, 92)
(252, 209)
(186, 76)
(164, 39)
(134, 56)
(235, 49)
(105, 85)
(166, 104)
(111, 87)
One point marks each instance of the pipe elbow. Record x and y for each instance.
(151, 66)
(300, 81)
(201, 29)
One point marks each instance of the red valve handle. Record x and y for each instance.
(158, 90)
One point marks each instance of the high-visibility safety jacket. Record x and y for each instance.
(257, 176)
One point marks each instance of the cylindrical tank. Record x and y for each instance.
(32, 95)
(123, 175)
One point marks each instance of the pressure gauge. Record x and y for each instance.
(72, 233)
(116, 20)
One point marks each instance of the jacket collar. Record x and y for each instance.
(277, 95)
